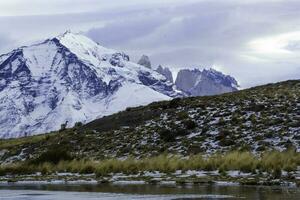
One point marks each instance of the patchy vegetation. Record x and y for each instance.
(256, 120)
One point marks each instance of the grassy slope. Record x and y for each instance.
(256, 119)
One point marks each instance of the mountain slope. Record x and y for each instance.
(70, 78)
(257, 119)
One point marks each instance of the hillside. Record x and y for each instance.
(257, 119)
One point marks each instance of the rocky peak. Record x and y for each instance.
(145, 61)
(207, 82)
(221, 78)
(166, 72)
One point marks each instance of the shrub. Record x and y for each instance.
(47, 137)
(204, 129)
(78, 124)
(223, 134)
(253, 119)
(180, 132)
(227, 142)
(53, 156)
(2, 171)
(256, 107)
(221, 122)
(194, 149)
(174, 103)
(166, 135)
(190, 124)
(276, 173)
(128, 109)
(222, 171)
(235, 118)
(182, 115)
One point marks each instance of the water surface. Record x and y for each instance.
(136, 192)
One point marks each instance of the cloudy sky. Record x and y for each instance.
(256, 41)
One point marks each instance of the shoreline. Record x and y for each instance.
(178, 178)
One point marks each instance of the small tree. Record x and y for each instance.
(63, 126)
(78, 124)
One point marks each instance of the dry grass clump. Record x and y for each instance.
(272, 162)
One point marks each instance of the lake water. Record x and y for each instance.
(135, 192)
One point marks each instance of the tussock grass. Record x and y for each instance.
(243, 161)
(272, 162)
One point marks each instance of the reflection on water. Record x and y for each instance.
(163, 192)
(51, 195)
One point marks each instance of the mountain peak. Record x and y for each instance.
(70, 39)
(83, 47)
(68, 33)
(165, 71)
(71, 78)
(206, 82)
(145, 61)
(218, 76)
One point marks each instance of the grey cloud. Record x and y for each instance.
(180, 34)
(218, 33)
(293, 46)
(214, 24)
(6, 43)
(123, 31)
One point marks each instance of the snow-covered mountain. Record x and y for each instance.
(71, 78)
(207, 82)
